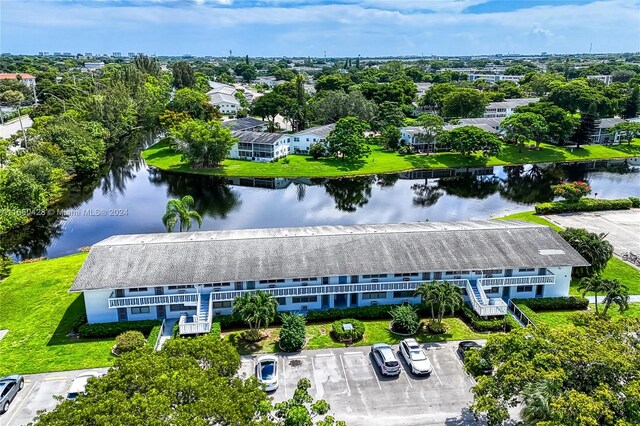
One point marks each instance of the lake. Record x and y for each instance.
(131, 198)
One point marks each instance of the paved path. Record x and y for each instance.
(633, 298)
(12, 127)
(621, 226)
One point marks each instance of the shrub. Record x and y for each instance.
(405, 319)
(364, 312)
(292, 333)
(475, 363)
(79, 322)
(153, 336)
(404, 150)
(129, 341)
(251, 335)
(215, 329)
(470, 317)
(436, 327)
(572, 191)
(584, 205)
(554, 303)
(112, 329)
(635, 202)
(317, 150)
(340, 334)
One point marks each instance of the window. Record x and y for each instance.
(304, 299)
(138, 289)
(406, 274)
(282, 301)
(524, 288)
(493, 290)
(456, 272)
(400, 294)
(178, 287)
(526, 269)
(492, 271)
(298, 280)
(180, 307)
(140, 310)
(270, 281)
(216, 284)
(296, 139)
(220, 305)
(375, 276)
(374, 295)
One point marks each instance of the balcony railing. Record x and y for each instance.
(220, 296)
(160, 299)
(513, 281)
(485, 307)
(196, 327)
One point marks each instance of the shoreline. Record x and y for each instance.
(162, 157)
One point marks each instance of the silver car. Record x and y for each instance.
(9, 388)
(415, 356)
(79, 385)
(386, 359)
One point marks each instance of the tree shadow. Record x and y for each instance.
(71, 316)
(347, 165)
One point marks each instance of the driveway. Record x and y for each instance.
(350, 382)
(622, 226)
(13, 126)
(37, 395)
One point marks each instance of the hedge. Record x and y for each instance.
(635, 201)
(478, 323)
(112, 329)
(340, 334)
(584, 205)
(361, 313)
(129, 341)
(153, 336)
(571, 303)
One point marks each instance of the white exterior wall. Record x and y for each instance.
(226, 107)
(302, 141)
(97, 306)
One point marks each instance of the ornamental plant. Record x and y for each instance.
(129, 341)
(572, 191)
(405, 319)
(292, 333)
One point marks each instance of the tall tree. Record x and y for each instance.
(179, 210)
(347, 139)
(256, 309)
(269, 106)
(615, 293)
(389, 114)
(439, 297)
(183, 75)
(561, 123)
(194, 103)
(463, 103)
(631, 103)
(204, 144)
(525, 126)
(594, 284)
(332, 105)
(586, 128)
(469, 139)
(593, 247)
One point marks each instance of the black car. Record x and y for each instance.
(9, 387)
(463, 347)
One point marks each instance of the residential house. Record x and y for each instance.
(301, 141)
(606, 79)
(602, 134)
(92, 66)
(494, 78)
(27, 79)
(260, 146)
(196, 276)
(416, 138)
(506, 108)
(227, 104)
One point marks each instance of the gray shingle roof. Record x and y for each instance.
(243, 123)
(256, 137)
(221, 256)
(322, 131)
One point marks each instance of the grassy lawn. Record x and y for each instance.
(163, 157)
(318, 336)
(563, 318)
(530, 217)
(39, 311)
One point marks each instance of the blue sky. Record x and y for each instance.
(311, 27)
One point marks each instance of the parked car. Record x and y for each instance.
(415, 356)
(386, 359)
(267, 372)
(9, 388)
(79, 384)
(484, 366)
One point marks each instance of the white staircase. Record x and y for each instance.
(484, 306)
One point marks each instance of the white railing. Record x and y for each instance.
(329, 289)
(513, 281)
(485, 307)
(159, 299)
(156, 345)
(196, 327)
(521, 316)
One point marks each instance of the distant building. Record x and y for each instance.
(416, 137)
(505, 108)
(227, 104)
(606, 79)
(260, 146)
(246, 124)
(92, 66)
(602, 134)
(131, 54)
(494, 78)
(301, 141)
(27, 79)
(117, 54)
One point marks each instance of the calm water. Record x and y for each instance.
(132, 199)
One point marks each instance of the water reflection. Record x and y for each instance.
(451, 194)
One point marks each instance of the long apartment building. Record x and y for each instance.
(195, 276)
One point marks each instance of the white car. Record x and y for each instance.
(267, 372)
(415, 356)
(80, 383)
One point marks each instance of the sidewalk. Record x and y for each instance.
(633, 298)
(166, 332)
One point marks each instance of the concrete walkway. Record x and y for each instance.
(633, 298)
(12, 126)
(167, 331)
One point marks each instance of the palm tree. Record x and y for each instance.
(615, 293)
(450, 298)
(537, 399)
(180, 210)
(591, 284)
(439, 297)
(428, 293)
(255, 309)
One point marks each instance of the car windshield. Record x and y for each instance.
(268, 368)
(418, 356)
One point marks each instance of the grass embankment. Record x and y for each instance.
(162, 156)
(376, 331)
(555, 319)
(616, 268)
(39, 312)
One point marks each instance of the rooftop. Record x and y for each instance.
(218, 98)
(243, 123)
(14, 76)
(322, 131)
(511, 103)
(187, 258)
(606, 123)
(257, 137)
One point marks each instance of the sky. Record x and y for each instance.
(312, 27)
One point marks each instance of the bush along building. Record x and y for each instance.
(195, 276)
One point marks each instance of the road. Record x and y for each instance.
(13, 126)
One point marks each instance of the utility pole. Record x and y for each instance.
(590, 47)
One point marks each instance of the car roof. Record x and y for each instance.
(411, 342)
(469, 344)
(380, 345)
(387, 352)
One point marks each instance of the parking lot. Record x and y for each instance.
(350, 381)
(37, 394)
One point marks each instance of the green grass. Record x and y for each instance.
(556, 319)
(162, 156)
(39, 311)
(616, 268)
(318, 336)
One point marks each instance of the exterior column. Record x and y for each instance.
(348, 300)
(332, 299)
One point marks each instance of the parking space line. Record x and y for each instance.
(319, 388)
(297, 357)
(322, 355)
(436, 373)
(375, 374)
(473, 381)
(284, 374)
(346, 379)
(353, 353)
(404, 373)
(51, 379)
(19, 408)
